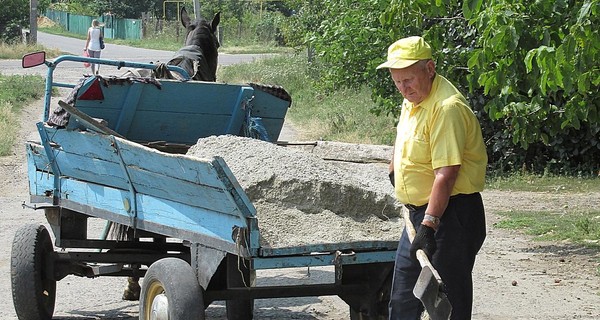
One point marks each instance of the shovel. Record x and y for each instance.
(429, 284)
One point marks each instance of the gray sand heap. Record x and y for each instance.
(302, 199)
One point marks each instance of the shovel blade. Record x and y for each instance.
(427, 290)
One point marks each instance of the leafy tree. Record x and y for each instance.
(132, 9)
(305, 19)
(529, 67)
(537, 62)
(15, 15)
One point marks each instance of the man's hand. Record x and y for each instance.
(424, 240)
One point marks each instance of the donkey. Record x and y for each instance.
(198, 56)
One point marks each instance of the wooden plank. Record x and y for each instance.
(99, 148)
(354, 246)
(194, 97)
(178, 128)
(196, 183)
(266, 105)
(87, 121)
(151, 210)
(129, 106)
(91, 157)
(323, 260)
(174, 96)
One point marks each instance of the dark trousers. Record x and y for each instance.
(459, 237)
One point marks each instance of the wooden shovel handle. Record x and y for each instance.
(421, 256)
(88, 121)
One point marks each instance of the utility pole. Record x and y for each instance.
(197, 8)
(32, 22)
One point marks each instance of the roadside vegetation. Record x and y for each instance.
(338, 115)
(15, 92)
(580, 226)
(17, 50)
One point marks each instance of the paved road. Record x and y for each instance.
(120, 52)
(74, 46)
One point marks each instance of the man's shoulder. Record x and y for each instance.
(446, 94)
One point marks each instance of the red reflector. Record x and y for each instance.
(93, 92)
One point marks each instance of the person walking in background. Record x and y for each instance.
(92, 44)
(438, 170)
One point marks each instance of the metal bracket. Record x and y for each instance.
(130, 205)
(56, 193)
(338, 262)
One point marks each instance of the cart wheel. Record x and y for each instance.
(171, 291)
(34, 294)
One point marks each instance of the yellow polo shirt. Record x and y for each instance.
(440, 131)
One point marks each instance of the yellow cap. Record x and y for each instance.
(406, 52)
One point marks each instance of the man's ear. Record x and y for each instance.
(430, 68)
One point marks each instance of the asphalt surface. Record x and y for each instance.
(73, 46)
(119, 52)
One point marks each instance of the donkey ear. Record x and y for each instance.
(215, 21)
(185, 19)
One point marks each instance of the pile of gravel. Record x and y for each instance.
(302, 199)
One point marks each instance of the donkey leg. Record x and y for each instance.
(132, 290)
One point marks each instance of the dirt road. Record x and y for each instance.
(553, 280)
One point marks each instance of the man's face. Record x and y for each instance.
(414, 82)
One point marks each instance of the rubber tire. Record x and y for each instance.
(34, 295)
(176, 279)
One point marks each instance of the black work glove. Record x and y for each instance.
(424, 240)
(391, 175)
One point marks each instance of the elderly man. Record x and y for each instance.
(438, 169)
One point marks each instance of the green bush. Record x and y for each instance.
(529, 68)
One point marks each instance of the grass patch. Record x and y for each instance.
(519, 181)
(577, 227)
(341, 115)
(15, 92)
(18, 50)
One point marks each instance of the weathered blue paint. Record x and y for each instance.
(119, 179)
(324, 259)
(192, 197)
(118, 63)
(355, 246)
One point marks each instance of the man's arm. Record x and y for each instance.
(445, 177)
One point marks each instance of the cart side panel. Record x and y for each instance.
(271, 110)
(174, 195)
(93, 158)
(157, 215)
(172, 111)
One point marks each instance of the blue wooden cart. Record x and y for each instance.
(119, 155)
